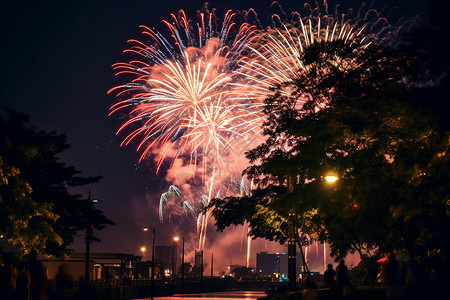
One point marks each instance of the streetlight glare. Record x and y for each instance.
(331, 178)
(143, 249)
(145, 228)
(176, 238)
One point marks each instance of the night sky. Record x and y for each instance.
(56, 67)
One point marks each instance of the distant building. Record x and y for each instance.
(198, 258)
(268, 264)
(198, 263)
(103, 266)
(169, 255)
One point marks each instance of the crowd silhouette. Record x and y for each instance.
(24, 278)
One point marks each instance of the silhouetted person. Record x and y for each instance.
(8, 276)
(328, 276)
(310, 292)
(36, 270)
(411, 272)
(392, 271)
(342, 274)
(23, 282)
(372, 273)
(85, 291)
(64, 283)
(417, 280)
(392, 279)
(342, 279)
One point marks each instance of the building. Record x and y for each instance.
(269, 264)
(103, 266)
(170, 256)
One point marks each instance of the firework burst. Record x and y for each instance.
(198, 95)
(277, 53)
(188, 97)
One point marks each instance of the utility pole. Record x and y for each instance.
(88, 243)
(182, 269)
(88, 254)
(292, 253)
(153, 264)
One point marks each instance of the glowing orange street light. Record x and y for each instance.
(331, 178)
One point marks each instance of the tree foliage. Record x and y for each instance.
(18, 211)
(263, 222)
(367, 124)
(36, 208)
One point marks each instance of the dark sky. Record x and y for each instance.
(56, 67)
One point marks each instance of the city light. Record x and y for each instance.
(331, 178)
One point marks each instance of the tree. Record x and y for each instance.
(243, 273)
(373, 130)
(17, 208)
(37, 210)
(187, 269)
(263, 222)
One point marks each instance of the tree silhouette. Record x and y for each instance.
(37, 210)
(367, 124)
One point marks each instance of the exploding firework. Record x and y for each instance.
(198, 95)
(277, 55)
(189, 98)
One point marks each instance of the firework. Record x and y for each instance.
(198, 95)
(188, 97)
(277, 55)
(276, 59)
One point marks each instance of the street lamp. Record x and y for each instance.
(292, 252)
(176, 239)
(331, 178)
(89, 232)
(153, 260)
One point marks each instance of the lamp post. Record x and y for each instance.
(89, 232)
(152, 280)
(212, 265)
(292, 253)
(182, 263)
(330, 179)
(88, 253)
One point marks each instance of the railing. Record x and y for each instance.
(121, 282)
